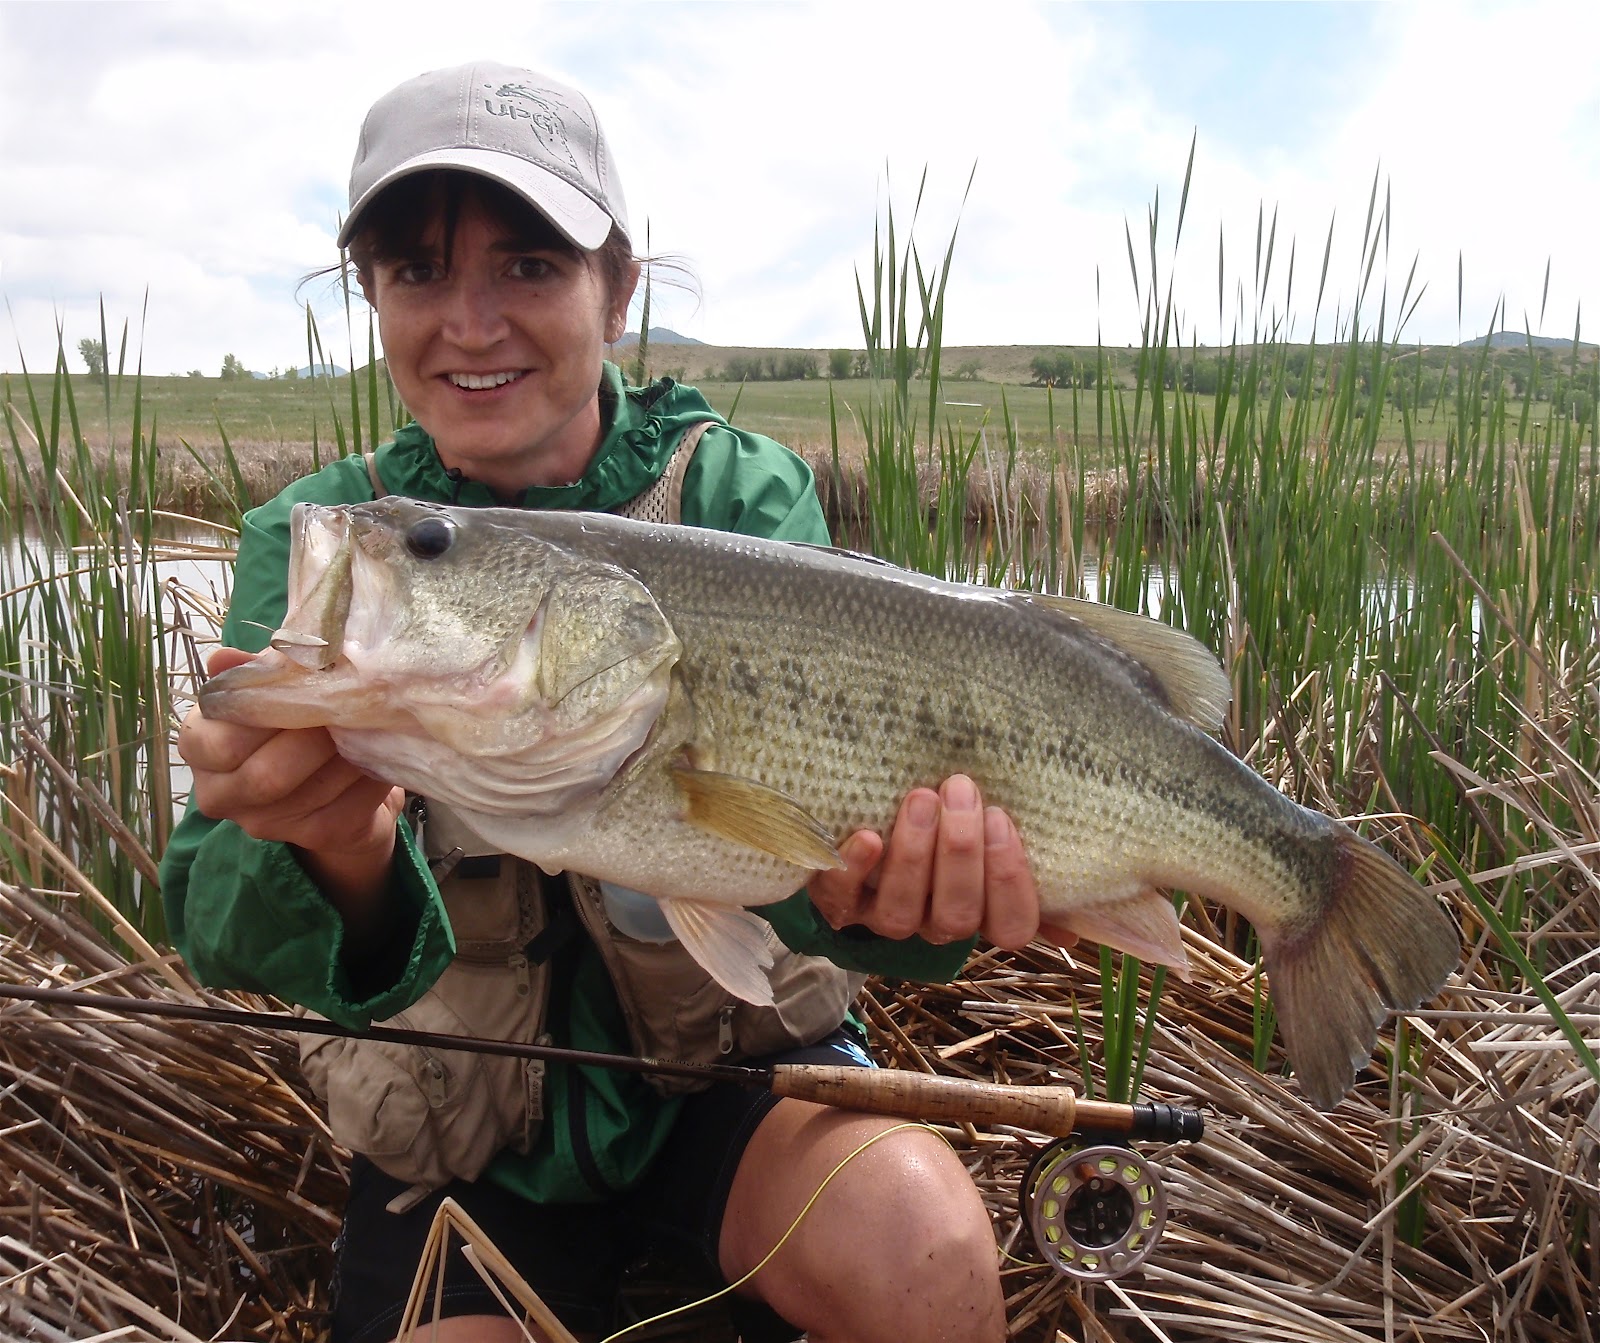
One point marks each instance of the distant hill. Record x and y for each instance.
(308, 371)
(659, 335)
(1518, 340)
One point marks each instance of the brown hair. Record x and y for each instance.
(397, 222)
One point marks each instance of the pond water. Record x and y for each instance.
(44, 594)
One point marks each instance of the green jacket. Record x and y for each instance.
(245, 915)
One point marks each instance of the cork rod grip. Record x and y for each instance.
(888, 1091)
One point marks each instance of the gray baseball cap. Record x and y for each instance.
(529, 132)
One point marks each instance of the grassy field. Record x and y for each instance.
(297, 418)
(200, 411)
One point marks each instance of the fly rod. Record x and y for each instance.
(1054, 1110)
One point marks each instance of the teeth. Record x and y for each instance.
(476, 382)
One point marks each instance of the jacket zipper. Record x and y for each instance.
(578, 1131)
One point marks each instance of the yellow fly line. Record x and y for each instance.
(507, 1284)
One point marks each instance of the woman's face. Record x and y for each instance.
(496, 349)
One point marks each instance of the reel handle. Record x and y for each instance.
(1057, 1111)
(891, 1091)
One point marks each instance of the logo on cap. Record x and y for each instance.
(544, 110)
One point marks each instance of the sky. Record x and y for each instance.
(184, 166)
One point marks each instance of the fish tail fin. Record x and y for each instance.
(1380, 943)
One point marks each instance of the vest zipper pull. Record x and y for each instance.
(725, 1030)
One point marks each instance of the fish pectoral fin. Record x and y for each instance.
(1143, 925)
(729, 943)
(749, 813)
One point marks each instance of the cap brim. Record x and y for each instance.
(575, 216)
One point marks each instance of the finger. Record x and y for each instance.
(1011, 908)
(956, 909)
(1057, 934)
(207, 745)
(337, 785)
(267, 776)
(899, 906)
(223, 657)
(359, 819)
(838, 894)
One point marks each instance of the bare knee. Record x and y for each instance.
(938, 1276)
(897, 1249)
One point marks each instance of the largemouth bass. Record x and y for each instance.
(702, 716)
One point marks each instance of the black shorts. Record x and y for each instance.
(573, 1255)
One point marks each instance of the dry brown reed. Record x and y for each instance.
(1285, 1223)
(173, 1179)
(208, 481)
(176, 1182)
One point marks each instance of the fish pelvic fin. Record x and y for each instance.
(749, 813)
(1381, 943)
(1185, 670)
(729, 943)
(1144, 925)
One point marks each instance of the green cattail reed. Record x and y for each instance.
(1327, 516)
(86, 636)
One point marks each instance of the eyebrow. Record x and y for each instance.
(532, 243)
(551, 242)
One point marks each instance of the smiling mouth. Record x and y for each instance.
(478, 382)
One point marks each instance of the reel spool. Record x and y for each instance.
(1096, 1213)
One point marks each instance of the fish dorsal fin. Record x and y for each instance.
(1188, 672)
(749, 813)
(840, 552)
(727, 942)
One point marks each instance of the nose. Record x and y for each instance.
(474, 317)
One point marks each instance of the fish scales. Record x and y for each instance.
(703, 717)
(812, 702)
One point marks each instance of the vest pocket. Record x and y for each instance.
(675, 1010)
(424, 1116)
(427, 1116)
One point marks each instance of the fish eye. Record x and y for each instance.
(430, 538)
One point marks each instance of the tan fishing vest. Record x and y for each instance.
(427, 1116)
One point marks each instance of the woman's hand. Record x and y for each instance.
(951, 868)
(293, 785)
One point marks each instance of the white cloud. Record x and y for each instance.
(200, 152)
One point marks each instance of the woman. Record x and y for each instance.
(488, 230)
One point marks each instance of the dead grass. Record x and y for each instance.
(176, 1181)
(173, 1179)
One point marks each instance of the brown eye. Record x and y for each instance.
(430, 538)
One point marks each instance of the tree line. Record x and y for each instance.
(781, 366)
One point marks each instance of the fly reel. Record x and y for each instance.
(1097, 1208)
